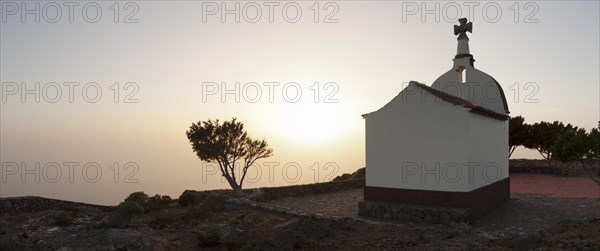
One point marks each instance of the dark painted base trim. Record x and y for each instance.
(412, 213)
(479, 201)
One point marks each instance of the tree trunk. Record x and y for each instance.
(237, 190)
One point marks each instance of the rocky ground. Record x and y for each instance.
(214, 220)
(217, 222)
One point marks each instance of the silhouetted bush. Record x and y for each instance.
(210, 239)
(144, 201)
(139, 197)
(189, 197)
(230, 245)
(298, 244)
(130, 207)
(247, 247)
(160, 200)
(63, 219)
(156, 223)
(195, 214)
(115, 220)
(73, 210)
(186, 199)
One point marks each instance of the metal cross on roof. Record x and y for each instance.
(463, 28)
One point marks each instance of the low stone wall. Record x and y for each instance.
(273, 193)
(412, 213)
(17, 205)
(574, 168)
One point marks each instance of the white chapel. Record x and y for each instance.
(439, 148)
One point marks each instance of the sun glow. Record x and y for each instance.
(314, 122)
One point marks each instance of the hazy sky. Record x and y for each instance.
(178, 62)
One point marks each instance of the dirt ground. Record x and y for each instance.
(526, 221)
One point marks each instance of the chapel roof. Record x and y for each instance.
(462, 102)
(462, 61)
(456, 101)
(478, 83)
(504, 103)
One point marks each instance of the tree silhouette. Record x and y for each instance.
(228, 145)
(594, 141)
(544, 135)
(554, 140)
(518, 133)
(571, 145)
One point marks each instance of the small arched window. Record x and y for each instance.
(462, 74)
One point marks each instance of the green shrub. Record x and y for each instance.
(186, 199)
(212, 238)
(236, 220)
(156, 223)
(130, 207)
(195, 214)
(230, 245)
(160, 200)
(423, 238)
(63, 219)
(298, 244)
(139, 197)
(247, 247)
(450, 235)
(73, 210)
(115, 220)
(527, 243)
(144, 201)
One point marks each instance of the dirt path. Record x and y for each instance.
(537, 202)
(554, 186)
